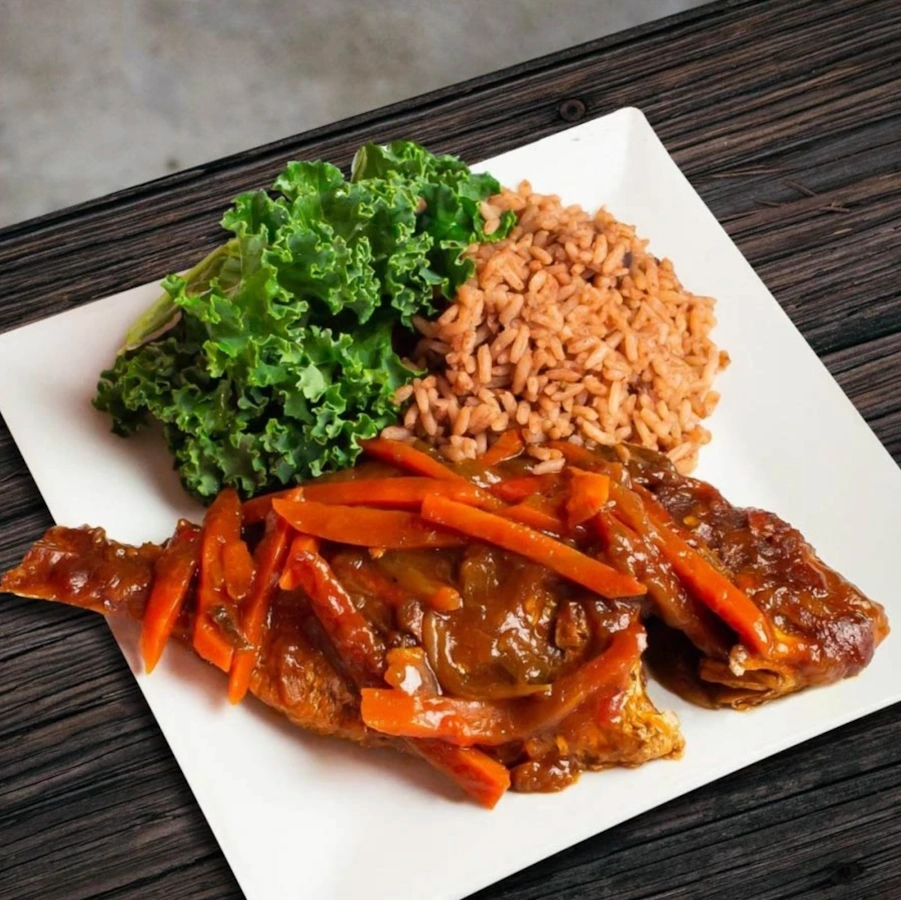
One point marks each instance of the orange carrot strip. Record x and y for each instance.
(258, 508)
(351, 634)
(405, 492)
(589, 492)
(574, 454)
(362, 651)
(515, 489)
(445, 599)
(710, 586)
(408, 671)
(209, 644)
(362, 527)
(465, 723)
(172, 577)
(483, 778)
(535, 516)
(396, 493)
(540, 548)
(509, 445)
(290, 578)
(406, 457)
(268, 562)
(221, 526)
(237, 569)
(462, 723)
(637, 554)
(592, 462)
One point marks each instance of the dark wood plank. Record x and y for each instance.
(784, 115)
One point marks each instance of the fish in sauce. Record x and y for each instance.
(493, 622)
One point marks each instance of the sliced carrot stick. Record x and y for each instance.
(408, 671)
(588, 493)
(638, 555)
(396, 493)
(363, 527)
(535, 516)
(363, 653)
(405, 492)
(509, 445)
(575, 455)
(237, 569)
(221, 527)
(483, 778)
(269, 560)
(515, 489)
(465, 723)
(256, 509)
(290, 578)
(356, 641)
(408, 458)
(713, 589)
(172, 576)
(704, 581)
(540, 548)
(445, 599)
(585, 459)
(210, 645)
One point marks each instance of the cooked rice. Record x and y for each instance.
(569, 329)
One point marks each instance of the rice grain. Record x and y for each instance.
(569, 328)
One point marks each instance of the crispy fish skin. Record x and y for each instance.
(82, 567)
(517, 626)
(825, 628)
(624, 731)
(299, 677)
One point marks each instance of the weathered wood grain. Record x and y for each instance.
(786, 116)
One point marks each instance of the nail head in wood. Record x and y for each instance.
(572, 110)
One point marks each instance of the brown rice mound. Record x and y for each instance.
(569, 329)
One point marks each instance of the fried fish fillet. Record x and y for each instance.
(300, 675)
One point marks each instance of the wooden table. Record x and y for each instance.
(786, 116)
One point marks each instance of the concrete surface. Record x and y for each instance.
(96, 95)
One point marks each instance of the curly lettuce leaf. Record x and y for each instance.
(450, 195)
(272, 358)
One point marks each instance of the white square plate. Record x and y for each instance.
(282, 802)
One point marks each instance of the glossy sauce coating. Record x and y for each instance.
(480, 658)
